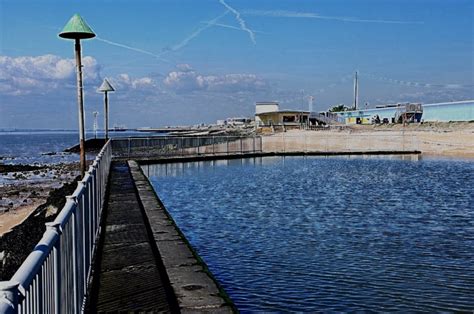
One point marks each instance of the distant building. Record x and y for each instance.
(238, 121)
(269, 115)
(440, 112)
(268, 106)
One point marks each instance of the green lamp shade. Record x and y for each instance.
(106, 87)
(77, 28)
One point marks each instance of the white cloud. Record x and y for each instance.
(190, 80)
(49, 73)
(184, 67)
(27, 75)
(124, 81)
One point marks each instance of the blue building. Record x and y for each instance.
(441, 112)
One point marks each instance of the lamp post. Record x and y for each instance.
(96, 125)
(105, 88)
(78, 29)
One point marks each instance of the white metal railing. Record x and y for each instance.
(181, 146)
(54, 277)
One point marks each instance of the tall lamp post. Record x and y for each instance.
(78, 29)
(105, 88)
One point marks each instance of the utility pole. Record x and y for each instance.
(310, 109)
(356, 91)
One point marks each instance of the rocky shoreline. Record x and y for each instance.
(22, 185)
(16, 244)
(30, 196)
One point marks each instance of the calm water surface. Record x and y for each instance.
(330, 234)
(45, 147)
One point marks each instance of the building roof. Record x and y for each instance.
(284, 111)
(267, 103)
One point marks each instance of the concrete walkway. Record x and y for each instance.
(195, 288)
(129, 275)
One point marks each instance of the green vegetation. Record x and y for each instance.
(339, 108)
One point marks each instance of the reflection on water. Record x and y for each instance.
(331, 234)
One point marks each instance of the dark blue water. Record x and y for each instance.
(28, 147)
(330, 234)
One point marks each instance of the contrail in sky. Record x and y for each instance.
(158, 56)
(230, 26)
(418, 84)
(196, 33)
(182, 44)
(242, 23)
(292, 14)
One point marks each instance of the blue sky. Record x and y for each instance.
(195, 61)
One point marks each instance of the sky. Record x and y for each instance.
(187, 62)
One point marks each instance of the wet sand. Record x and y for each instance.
(17, 216)
(31, 200)
(23, 188)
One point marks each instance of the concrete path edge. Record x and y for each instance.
(194, 285)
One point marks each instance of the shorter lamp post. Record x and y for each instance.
(96, 125)
(105, 88)
(78, 29)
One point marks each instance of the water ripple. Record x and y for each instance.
(330, 234)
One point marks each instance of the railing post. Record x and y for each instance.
(75, 267)
(284, 146)
(241, 152)
(213, 145)
(129, 146)
(254, 145)
(305, 143)
(55, 226)
(227, 144)
(9, 296)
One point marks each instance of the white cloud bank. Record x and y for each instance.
(185, 79)
(41, 74)
(49, 73)
(43, 87)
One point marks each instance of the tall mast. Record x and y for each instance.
(356, 91)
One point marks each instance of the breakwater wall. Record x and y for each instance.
(193, 285)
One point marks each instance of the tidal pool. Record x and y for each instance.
(329, 234)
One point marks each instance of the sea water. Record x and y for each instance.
(330, 234)
(46, 146)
